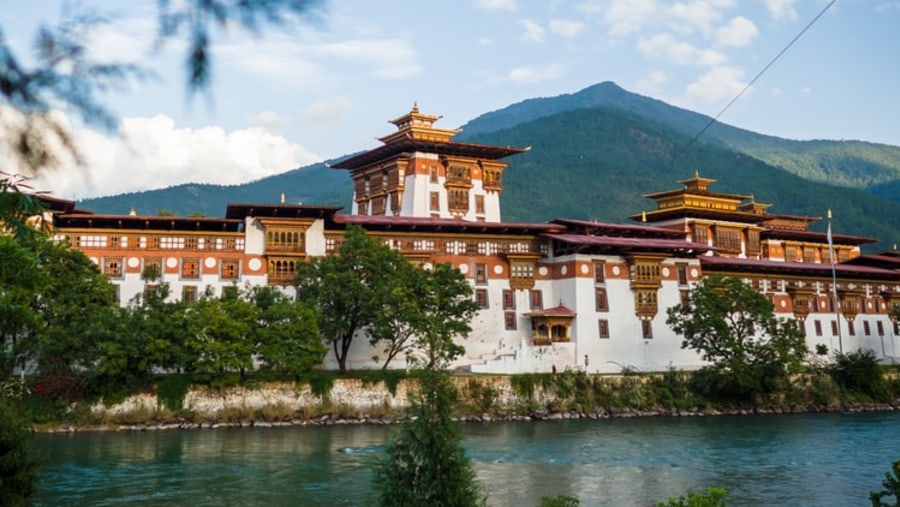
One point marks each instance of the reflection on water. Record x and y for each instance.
(765, 460)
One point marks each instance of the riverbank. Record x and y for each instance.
(535, 397)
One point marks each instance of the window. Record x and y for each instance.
(682, 274)
(834, 328)
(509, 299)
(509, 319)
(791, 253)
(851, 329)
(189, 293)
(481, 273)
(435, 201)
(809, 254)
(728, 239)
(880, 327)
(818, 324)
(866, 329)
(521, 274)
(190, 243)
(600, 299)
(600, 272)
(603, 326)
(171, 243)
(481, 297)
(685, 297)
(700, 234)
(537, 300)
(112, 267)
(479, 204)
(231, 269)
(190, 268)
(433, 174)
(647, 329)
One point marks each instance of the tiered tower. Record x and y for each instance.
(421, 172)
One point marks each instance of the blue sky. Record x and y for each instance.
(327, 88)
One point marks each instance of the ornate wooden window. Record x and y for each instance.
(231, 269)
(753, 242)
(809, 254)
(700, 233)
(282, 271)
(521, 274)
(112, 267)
(728, 239)
(603, 328)
(433, 174)
(458, 200)
(802, 301)
(536, 298)
(459, 174)
(171, 243)
(378, 205)
(190, 243)
(481, 297)
(825, 255)
(509, 299)
(851, 304)
(645, 303)
(284, 240)
(190, 268)
(791, 253)
(601, 300)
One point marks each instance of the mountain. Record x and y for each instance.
(595, 152)
(854, 164)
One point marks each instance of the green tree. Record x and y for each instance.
(220, 334)
(345, 289)
(426, 463)
(287, 334)
(21, 283)
(423, 311)
(19, 462)
(734, 327)
(891, 484)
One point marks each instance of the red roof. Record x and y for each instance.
(414, 145)
(798, 268)
(631, 243)
(556, 311)
(448, 224)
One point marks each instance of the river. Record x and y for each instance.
(800, 460)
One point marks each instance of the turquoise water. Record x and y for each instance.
(801, 460)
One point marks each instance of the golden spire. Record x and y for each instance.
(282, 198)
(132, 213)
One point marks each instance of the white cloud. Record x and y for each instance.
(653, 82)
(781, 9)
(739, 32)
(495, 5)
(328, 111)
(664, 46)
(702, 14)
(154, 153)
(625, 17)
(717, 84)
(534, 32)
(887, 7)
(535, 75)
(269, 120)
(566, 28)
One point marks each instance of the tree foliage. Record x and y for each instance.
(423, 310)
(891, 485)
(734, 327)
(426, 463)
(19, 462)
(713, 497)
(346, 289)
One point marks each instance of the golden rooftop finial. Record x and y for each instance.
(415, 109)
(132, 213)
(282, 198)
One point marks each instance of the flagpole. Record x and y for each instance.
(837, 313)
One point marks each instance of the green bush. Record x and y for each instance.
(858, 372)
(714, 497)
(559, 501)
(171, 391)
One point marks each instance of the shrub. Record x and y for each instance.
(859, 372)
(19, 462)
(559, 501)
(714, 497)
(891, 485)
